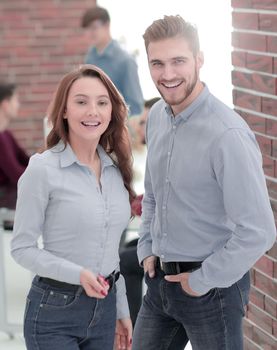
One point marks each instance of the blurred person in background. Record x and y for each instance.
(78, 194)
(13, 159)
(107, 54)
(137, 127)
(129, 265)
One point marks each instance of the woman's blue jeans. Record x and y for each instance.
(67, 319)
(169, 317)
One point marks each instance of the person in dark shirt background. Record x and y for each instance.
(13, 159)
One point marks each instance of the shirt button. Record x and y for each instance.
(174, 127)
(166, 180)
(168, 153)
(162, 256)
(164, 207)
(164, 234)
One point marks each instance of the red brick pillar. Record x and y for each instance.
(39, 41)
(254, 78)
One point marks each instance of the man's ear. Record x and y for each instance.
(200, 59)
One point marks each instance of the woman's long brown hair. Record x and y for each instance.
(115, 140)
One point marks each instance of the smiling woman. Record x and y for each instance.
(78, 193)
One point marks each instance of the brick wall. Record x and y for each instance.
(40, 40)
(254, 78)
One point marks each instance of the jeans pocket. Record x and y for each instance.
(60, 299)
(195, 296)
(243, 287)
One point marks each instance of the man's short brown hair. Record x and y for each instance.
(93, 14)
(170, 27)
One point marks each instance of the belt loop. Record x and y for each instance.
(79, 291)
(178, 270)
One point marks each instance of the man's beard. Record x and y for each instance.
(188, 91)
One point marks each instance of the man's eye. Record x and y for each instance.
(181, 61)
(81, 102)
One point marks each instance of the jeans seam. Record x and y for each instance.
(90, 324)
(173, 333)
(241, 298)
(221, 300)
(35, 320)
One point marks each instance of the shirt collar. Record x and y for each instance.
(68, 157)
(108, 51)
(188, 111)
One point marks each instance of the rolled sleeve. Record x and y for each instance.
(237, 165)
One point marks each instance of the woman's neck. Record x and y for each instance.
(85, 152)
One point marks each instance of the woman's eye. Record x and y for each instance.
(81, 102)
(103, 103)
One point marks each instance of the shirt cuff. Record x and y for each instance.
(122, 308)
(143, 252)
(195, 282)
(69, 273)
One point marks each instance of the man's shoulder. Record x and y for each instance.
(224, 115)
(157, 109)
(120, 54)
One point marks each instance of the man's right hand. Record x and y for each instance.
(149, 264)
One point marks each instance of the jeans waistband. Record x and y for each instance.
(111, 279)
(175, 267)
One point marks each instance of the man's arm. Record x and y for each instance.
(148, 210)
(237, 166)
(131, 89)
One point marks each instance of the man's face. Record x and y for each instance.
(175, 71)
(96, 33)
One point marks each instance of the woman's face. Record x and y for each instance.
(88, 110)
(10, 106)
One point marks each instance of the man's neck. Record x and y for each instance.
(102, 46)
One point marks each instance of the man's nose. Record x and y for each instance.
(168, 72)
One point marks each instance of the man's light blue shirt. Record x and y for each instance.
(80, 222)
(122, 70)
(205, 192)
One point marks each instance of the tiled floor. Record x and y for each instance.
(17, 281)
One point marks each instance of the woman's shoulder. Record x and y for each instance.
(47, 158)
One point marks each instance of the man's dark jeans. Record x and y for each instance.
(169, 317)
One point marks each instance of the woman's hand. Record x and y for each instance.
(96, 287)
(123, 334)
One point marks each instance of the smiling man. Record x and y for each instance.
(206, 215)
